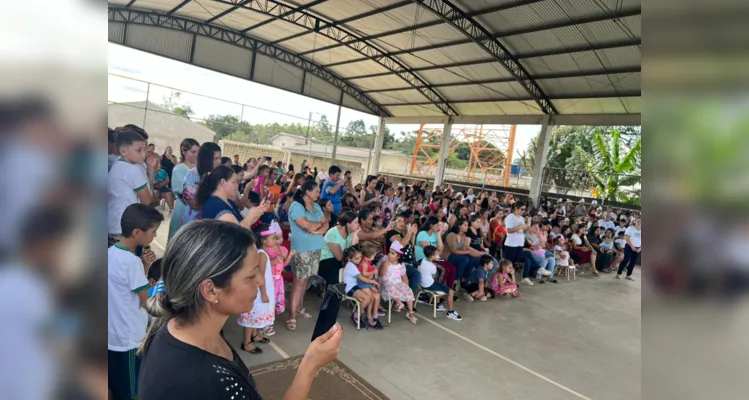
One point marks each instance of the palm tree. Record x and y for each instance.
(608, 171)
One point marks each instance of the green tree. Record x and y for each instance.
(564, 168)
(226, 126)
(173, 103)
(608, 169)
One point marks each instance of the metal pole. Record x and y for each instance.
(241, 118)
(309, 121)
(335, 139)
(148, 93)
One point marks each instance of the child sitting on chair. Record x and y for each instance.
(428, 275)
(367, 269)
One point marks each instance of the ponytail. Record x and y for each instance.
(210, 182)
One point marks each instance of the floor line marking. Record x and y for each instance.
(278, 350)
(524, 368)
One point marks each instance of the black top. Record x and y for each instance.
(408, 250)
(476, 241)
(291, 167)
(167, 165)
(172, 369)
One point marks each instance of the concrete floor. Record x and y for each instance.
(576, 340)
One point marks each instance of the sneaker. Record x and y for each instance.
(618, 277)
(629, 278)
(468, 297)
(381, 312)
(482, 298)
(361, 322)
(527, 281)
(544, 272)
(377, 324)
(441, 307)
(454, 315)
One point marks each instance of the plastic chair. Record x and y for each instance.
(341, 288)
(435, 296)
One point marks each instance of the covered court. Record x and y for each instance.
(447, 62)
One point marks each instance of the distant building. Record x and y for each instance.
(164, 127)
(287, 140)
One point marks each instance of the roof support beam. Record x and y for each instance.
(222, 14)
(180, 5)
(499, 35)
(285, 14)
(130, 3)
(177, 23)
(351, 19)
(326, 28)
(570, 96)
(554, 75)
(579, 48)
(580, 119)
(487, 10)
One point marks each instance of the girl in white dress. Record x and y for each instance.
(263, 311)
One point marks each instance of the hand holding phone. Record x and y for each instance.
(328, 314)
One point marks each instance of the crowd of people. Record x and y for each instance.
(386, 240)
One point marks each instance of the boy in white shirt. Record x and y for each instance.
(128, 182)
(127, 294)
(428, 273)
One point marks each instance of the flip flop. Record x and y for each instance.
(291, 324)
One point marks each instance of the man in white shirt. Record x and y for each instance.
(633, 237)
(606, 222)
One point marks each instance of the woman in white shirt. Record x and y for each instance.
(633, 237)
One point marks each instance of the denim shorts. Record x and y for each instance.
(352, 291)
(438, 287)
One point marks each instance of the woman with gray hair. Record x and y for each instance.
(209, 272)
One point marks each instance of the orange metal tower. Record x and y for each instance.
(489, 158)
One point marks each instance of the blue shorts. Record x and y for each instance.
(353, 290)
(438, 287)
(362, 285)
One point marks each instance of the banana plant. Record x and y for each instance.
(607, 169)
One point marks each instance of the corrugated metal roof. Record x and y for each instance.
(524, 27)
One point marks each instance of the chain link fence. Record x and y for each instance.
(581, 183)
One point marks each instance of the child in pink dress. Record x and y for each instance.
(395, 282)
(279, 258)
(503, 282)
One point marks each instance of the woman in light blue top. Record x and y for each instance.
(188, 151)
(308, 226)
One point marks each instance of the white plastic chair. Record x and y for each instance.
(436, 295)
(341, 287)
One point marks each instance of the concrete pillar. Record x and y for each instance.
(542, 153)
(379, 141)
(444, 152)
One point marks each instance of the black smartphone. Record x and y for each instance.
(331, 303)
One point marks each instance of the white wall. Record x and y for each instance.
(285, 141)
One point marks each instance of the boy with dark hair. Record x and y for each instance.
(332, 189)
(127, 294)
(429, 282)
(476, 284)
(154, 275)
(128, 182)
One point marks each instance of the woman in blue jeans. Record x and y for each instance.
(537, 256)
(457, 250)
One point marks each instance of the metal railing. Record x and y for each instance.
(580, 183)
